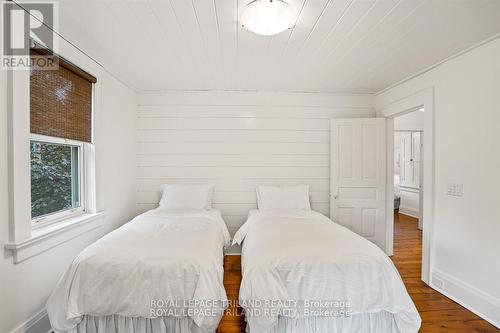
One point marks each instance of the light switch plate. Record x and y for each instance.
(454, 189)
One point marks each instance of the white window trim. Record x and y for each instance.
(24, 240)
(43, 239)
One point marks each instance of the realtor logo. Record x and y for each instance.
(25, 25)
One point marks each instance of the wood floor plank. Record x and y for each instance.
(471, 326)
(439, 313)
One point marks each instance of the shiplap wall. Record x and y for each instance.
(238, 140)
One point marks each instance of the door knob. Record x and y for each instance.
(335, 195)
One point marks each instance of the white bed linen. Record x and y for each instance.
(116, 323)
(159, 255)
(187, 196)
(283, 197)
(303, 255)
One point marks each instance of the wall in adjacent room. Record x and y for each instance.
(413, 121)
(466, 243)
(25, 287)
(238, 140)
(410, 197)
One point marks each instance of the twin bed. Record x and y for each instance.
(163, 272)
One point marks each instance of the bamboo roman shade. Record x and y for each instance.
(61, 101)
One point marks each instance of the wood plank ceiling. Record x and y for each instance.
(335, 45)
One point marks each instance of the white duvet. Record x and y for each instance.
(159, 255)
(303, 255)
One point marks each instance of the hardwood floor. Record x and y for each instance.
(439, 313)
(232, 322)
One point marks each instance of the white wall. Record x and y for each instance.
(410, 196)
(413, 121)
(466, 243)
(24, 287)
(410, 203)
(239, 140)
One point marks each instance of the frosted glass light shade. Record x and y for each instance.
(267, 17)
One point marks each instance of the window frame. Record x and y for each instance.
(25, 241)
(62, 215)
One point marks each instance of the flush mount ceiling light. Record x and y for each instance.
(267, 17)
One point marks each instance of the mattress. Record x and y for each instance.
(161, 264)
(290, 258)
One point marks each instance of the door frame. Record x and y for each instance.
(425, 99)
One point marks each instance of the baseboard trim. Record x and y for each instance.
(409, 212)
(39, 322)
(233, 249)
(477, 301)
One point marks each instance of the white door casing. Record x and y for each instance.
(422, 99)
(358, 176)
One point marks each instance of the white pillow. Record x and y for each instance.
(187, 196)
(283, 197)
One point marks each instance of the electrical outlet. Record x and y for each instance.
(456, 190)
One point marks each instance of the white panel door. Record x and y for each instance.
(357, 175)
(406, 159)
(416, 154)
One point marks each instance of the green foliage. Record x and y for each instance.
(51, 188)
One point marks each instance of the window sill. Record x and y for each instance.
(45, 238)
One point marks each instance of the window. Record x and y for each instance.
(60, 126)
(52, 196)
(56, 178)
